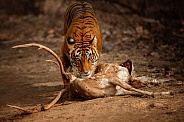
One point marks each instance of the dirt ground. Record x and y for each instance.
(26, 79)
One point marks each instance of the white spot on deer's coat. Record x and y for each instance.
(104, 82)
(107, 68)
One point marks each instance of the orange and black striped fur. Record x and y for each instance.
(83, 40)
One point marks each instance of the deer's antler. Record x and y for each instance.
(63, 73)
(48, 50)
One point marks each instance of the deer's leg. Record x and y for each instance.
(148, 80)
(121, 91)
(128, 87)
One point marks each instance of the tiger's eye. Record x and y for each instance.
(93, 63)
(70, 40)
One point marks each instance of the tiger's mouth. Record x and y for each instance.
(86, 74)
(81, 74)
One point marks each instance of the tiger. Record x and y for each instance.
(82, 44)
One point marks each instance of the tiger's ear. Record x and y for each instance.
(94, 41)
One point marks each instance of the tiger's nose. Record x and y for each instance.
(87, 73)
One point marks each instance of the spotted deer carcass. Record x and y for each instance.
(110, 79)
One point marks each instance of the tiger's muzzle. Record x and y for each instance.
(87, 74)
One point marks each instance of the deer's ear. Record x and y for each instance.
(94, 41)
(128, 64)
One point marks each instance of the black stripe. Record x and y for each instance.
(76, 10)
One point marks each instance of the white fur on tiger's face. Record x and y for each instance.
(84, 58)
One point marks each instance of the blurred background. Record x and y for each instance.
(155, 19)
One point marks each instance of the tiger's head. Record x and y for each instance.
(83, 56)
